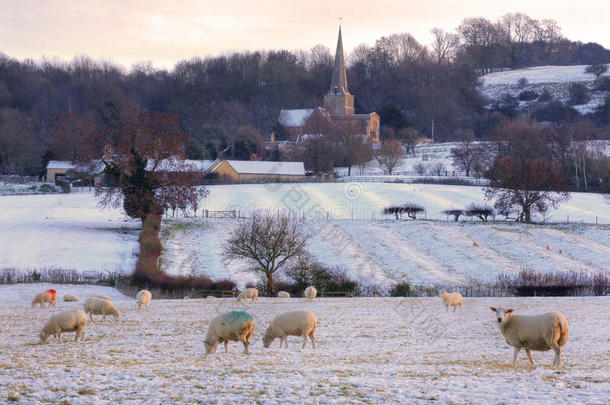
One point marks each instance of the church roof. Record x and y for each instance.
(295, 118)
(339, 80)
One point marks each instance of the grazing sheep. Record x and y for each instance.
(100, 306)
(405, 275)
(74, 320)
(295, 323)
(357, 255)
(476, 244)
(560, 251)
(237, 326)
(102, 297)
(549, 248)
(283, 294)
(248, 293)
(44, 297)
(311, 292)
(452, 299)
(143, 298)
(70, 298)
(377, 293)
(533, 332)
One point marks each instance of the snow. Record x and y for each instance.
(60, 164)
(262, 167)
(65, 231)
(69, 231)
(295, 118)
(555, 79)
(541, 74)
(369, 350)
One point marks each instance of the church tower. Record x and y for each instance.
(338, 100)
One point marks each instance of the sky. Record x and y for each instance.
(165, 32)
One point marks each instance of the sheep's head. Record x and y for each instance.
(208, 347)
(267, 340)
(43, 336)
(502, 314)
(443, 293)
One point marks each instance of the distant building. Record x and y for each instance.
(249, 170)
(338, 106)
(58, 170)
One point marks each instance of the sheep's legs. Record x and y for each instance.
(304, 341)
(557, 359)
(517, 350)
(226, 346)
(313, 340)
(246, 344)
(529, 356)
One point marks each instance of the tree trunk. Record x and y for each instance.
(527, 213)
(270, 291)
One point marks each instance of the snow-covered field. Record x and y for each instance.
(556, 79)
(369, 350)
(69, 231)
(64, 231)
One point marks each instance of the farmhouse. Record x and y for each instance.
(62, 170)
(246, 170)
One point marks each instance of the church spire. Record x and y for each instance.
(338, 84)
(338, 100)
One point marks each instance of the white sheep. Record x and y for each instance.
(533, 332)
(248, 293)
(237, 326)
(452, 300)
(295, 323)
(283, 294)
(49, 296)
(476, 244)
(310, 292)
(549, 248)
(143, 298)
(74, 320)
(100, 306)
(70, 298)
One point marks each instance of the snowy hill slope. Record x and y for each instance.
(556, 79)
(71, 232)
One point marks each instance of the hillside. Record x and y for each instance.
(71, 232)
(555, 79)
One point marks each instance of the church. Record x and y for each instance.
(338, 106)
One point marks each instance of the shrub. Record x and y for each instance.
(307, 272)
(402, 289)
(480, 211)
(454, 213)
(545, 95)
(602, 84)
(528, 95)
(579, 94)
(528, 283)
(522, 82)
(411, 209)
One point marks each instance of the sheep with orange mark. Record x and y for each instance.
(49, 296)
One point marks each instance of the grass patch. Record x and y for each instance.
(86, 391)
(511, 230)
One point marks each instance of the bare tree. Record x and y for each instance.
(445, 45)
(455, 213)
(409, 208)
(268, 243)
(389, 155)
(438, 168)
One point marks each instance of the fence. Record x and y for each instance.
(57, 276)
(128, 289)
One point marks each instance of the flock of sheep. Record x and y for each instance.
(538, 332)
